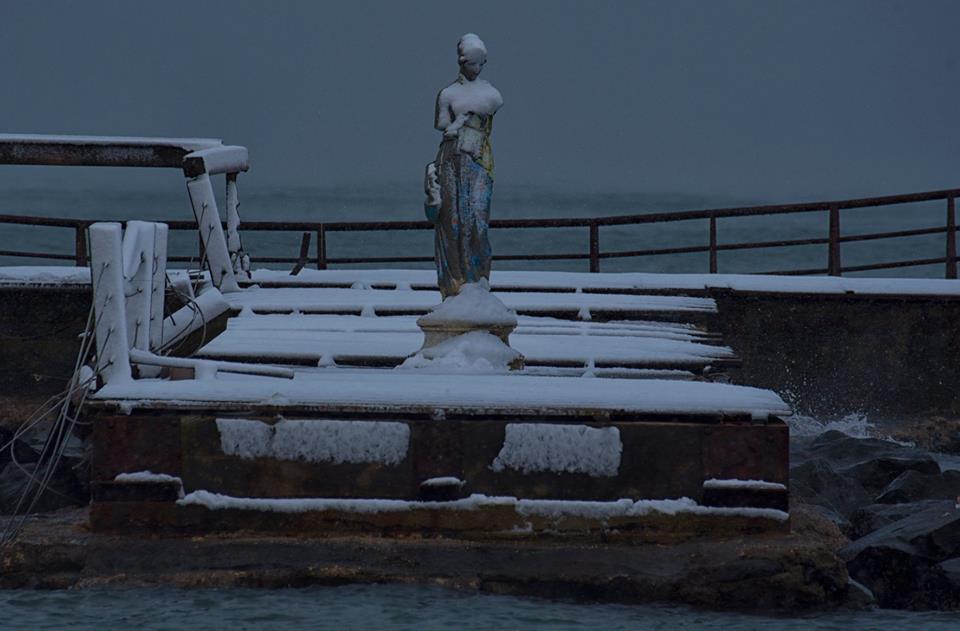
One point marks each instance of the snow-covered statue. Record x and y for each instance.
(459, 183)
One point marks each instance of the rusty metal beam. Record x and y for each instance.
(99, 150)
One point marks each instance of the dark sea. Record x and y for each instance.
(393, 202)
(384, 607)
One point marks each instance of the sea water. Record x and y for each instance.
(385, 607)
(394, 202)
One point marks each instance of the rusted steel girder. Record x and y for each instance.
(115, 151)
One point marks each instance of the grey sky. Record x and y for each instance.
(768, 98)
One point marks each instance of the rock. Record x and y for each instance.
(867, 519)
(876, 473)
(937, 433)
(68, 487)
(951, 570)
(843, 451)
(912, 486)
(21, 450)
(816, 482)
(899, 563)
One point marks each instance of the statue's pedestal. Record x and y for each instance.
(474, 326)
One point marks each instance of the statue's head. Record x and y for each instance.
(472, 54)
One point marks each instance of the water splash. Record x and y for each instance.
(854, 424)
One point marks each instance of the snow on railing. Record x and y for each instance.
(128, 273)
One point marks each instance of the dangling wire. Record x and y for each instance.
(66, 406)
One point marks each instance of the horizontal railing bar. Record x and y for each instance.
(541, 257)
(28, 220)
(773, 244)
(381, 259)
(656, 252)
(890, 235)
(798, 272)
(38, 255)
(895, 264)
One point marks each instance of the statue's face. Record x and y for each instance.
(472, 64)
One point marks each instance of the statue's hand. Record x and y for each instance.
(453, 129)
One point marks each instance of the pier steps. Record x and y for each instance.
(567, 326)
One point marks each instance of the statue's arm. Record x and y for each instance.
(441, 119)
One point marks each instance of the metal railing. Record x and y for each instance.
(321, 233)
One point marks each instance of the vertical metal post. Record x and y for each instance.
(951, 271)
(594, 247)
(81, 246)
(833, 260)
(322, 247)
(304, 254)
(713, 244)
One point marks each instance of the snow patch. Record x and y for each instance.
(532, 447)
(149, 476)
(472, 352)
(713, 483)
(337, 442)
(443, 481)
(474, 305)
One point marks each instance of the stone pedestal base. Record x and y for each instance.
(474, 309)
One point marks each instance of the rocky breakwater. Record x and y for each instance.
(898, 507)
(25, 459)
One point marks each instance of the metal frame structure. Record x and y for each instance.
(199, 158)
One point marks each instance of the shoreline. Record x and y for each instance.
(792, 572)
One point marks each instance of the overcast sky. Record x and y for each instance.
(779, 99)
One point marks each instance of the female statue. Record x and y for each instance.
(460, 181)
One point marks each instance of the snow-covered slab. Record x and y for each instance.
(374, 301)
(305, 341)
(626, 281)
(397, 391)
(41, 275)
(749, 485)
(553, 509)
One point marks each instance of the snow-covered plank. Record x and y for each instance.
(527, 325)
(388, 392)
(312, 345)
(514, 280)
(374, 301)
(625, 281)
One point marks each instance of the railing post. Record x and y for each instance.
(594, 247)
(321, 247)
(951, 271)
(713, 244)
(833, 260)
(81, 246)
